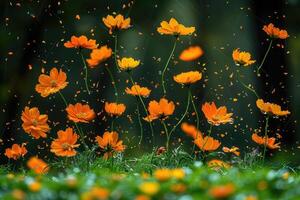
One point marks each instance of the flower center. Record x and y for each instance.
(66, 146)
(81, 115)
(53, 83)
(35, 122)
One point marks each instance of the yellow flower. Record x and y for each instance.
(188, 78)
(163, 174)
(34, 186)
(149, 188)
(271, 108)
(117, 22)
(137, 90)
(178, 173)
(242, 58)
(98, 193)
(18, 194)
(174, 28)
(127, 64)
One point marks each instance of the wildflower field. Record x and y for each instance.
(158, 99)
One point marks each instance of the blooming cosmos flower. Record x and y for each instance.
(52, 83)
(271, 108)
(269, 142)
(216, 116)
(222, 191)
(207, 143)
(234, 150)
(190, 130)
(128, 63)
(37, 165)
(117, 22)
(98, 56)
(80, 113)
(137, 90)
(81, 42)
(242, 58)
(160, 109)
(34, 123)
(114, 109)
(274, 32)
(191, 53)
(110, 143)
(96, 193)
(218, 164)
(65, 144)
(16, 151)
(174, 28)
(188, 78)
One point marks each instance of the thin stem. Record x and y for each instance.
(140, 122)
(197, 118)
(112, 124)
(144, 107)
(116, 52)
(113, 83)
(266, 138)
(246, 86)
(86, 72)
(209, 133)
(167, 134)
(184, 114)
(166, 66)
(264, 58)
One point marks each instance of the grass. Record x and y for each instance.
(87, 176)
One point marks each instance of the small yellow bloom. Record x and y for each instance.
(18, 194)
(163, 174)
(149, 188)
(117, 22)
(178, 173)
(188, 78)
(242, 58)
(127, 64)
(34, 186)
(174, 28)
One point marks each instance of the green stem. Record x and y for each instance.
(197, 118)
(112, 124)
(140, 122)
(246, 86)
(184, 114)
(86, 72)
(144, 107)
(116, 52)
(209, 133)
(166, 66)
(167, 134)
(266, 138)
(113, 83)
(264, 58)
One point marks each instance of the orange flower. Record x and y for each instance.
(118, 22)
(137, 90)
(190, 130)
(174, 28)
(16, 151)
(191, 53)
(51, 84)
(207, 143)
(271, 108)
(242, 58)
(81, 42)
(222, 191)
(274, 32)
(269, 142)
(218, 164)
(96, 193)
(114, 109)
(128, 64)
(234, 150)
(98, 56)
(65, 144)
(110, 143)
(34, 123)
(188, 78)
(216, 116)
(37, 165)
(80, 113)
(160, 109)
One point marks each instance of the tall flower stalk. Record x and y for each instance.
(86, 72)
(264, 58)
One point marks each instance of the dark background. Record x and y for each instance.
(33, 32)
